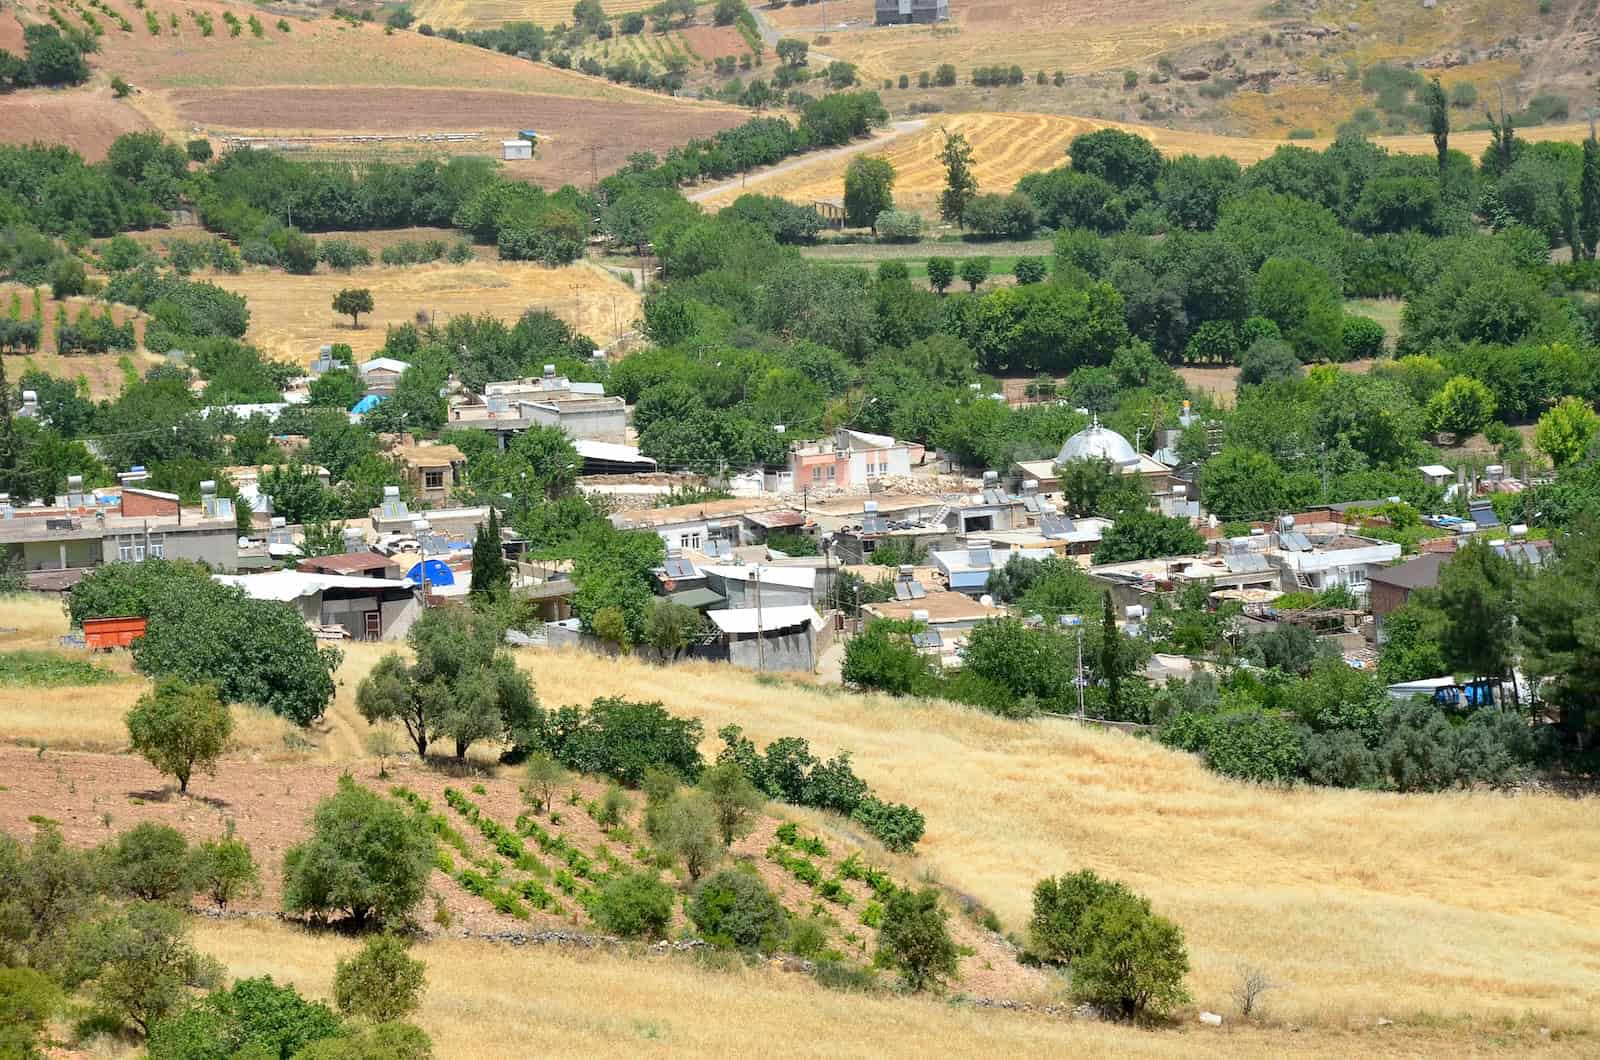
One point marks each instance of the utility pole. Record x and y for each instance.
(761, 638)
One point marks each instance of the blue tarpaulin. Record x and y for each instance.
(366, 404)
(437, 571)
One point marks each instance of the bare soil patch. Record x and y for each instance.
(708, 42)
(84, 119)
(568, 127)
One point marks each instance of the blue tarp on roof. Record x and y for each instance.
(437, 571)
(366, 404)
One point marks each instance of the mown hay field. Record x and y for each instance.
(1007, 147)
(477, 14)
(291, 317)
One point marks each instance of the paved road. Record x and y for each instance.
(893, 132)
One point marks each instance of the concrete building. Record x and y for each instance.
(772, 586)
(901, 12)
(432, 470)
(366, 564)
(516, 150)
(850, 459)
(710, 527)
(379, 375)
(966, 570)
(364, 608)
(922, 527)
(775, 639)
(58, 544)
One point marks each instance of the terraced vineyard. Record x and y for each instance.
(471, 14)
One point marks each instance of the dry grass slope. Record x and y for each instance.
(487, 1002)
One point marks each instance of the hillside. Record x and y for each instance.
(330, 77)
(1450, 914)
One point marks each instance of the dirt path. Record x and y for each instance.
(895, 131)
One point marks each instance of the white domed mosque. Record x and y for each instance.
(1096, 442)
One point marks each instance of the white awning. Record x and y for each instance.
(744, 619)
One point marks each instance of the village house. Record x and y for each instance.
(848, 460)
(57, 544)
(360, 607)
(432, 470)
(379, 375)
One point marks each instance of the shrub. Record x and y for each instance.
(1362, 337)
(254, 1017)
(1253, 745)
(150, 861)
(734, 908)
(621, 739)
(1029, 270)
(896, 825)
(343, 255)
(634, 905)
(366, 858)
(139, 964)
(898, 226)
(734, 800)
(225, 870)
(1129, 960)
(382, 983)
(915, 941)
(28, 1001)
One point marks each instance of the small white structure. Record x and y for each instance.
(515, 150)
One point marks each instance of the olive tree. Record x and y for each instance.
(366, 858)
(382, 983)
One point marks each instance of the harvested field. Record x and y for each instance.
(1074, 37)
(568, 127)
(475, 14)
(86, 120)
(290, 316)
(1006, 147)
(1222, 381)
(708, 42)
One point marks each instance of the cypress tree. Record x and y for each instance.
(489, 573)
(1589, 194)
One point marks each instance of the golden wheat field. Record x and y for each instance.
(1007, 147)
(475, 14)
(292, 316)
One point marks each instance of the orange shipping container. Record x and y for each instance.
(103, 634)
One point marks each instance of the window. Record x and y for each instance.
(694, 540)
(157, 545)
(130, 548)
(830, 471)
(433, 480)
(816, 474)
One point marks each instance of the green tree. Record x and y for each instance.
(672, 629)
(1241, 483)
(1565, 433)
(734, 800)
(734, 909)
(1559, 638)
(366, 858)
(868, 190)
(1146, 535)
(340, 388)
(179, 727)
(543, 776)
(1030, 270)
(1432, 96)
(941, 273)
(1097, 487)
(914, 939)
(1462, 407)
(1589, 198)
(29, 1000)
(490, 574)
(352, 302)
(1035, 665)
(883, 658)
(1130, 960)
(634, 905)
(974, 271)
(960, 185)
(1411, 649)
(685, 827)
(1059, 905)
(151, 862)
(1475, 595)
(1113, 666)
(462, 685)
(382, 983)
(225, 870)
(1304, 303)
(138, 964)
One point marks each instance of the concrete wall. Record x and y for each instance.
(797, 651)
(216, 546)
(742, 594)
(596, 425)
(59, 555)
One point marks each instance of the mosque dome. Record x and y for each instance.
(1095, 442)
